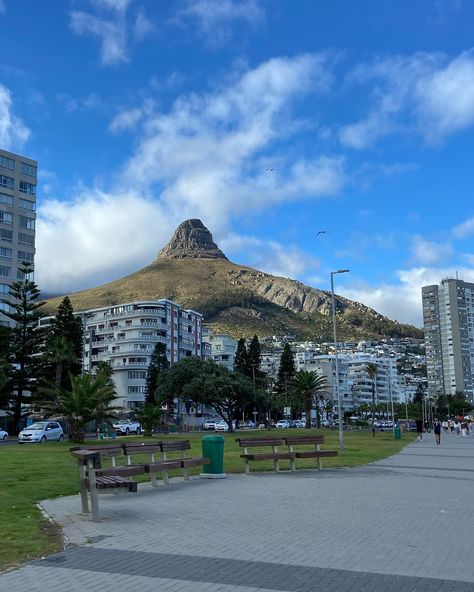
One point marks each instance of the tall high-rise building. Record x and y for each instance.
(18, 178)
(448, 316)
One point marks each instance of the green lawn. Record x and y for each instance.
(34, 472)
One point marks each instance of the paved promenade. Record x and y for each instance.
(404, 524)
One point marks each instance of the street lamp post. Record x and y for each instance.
(334, 330)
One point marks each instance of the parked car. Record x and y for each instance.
(282, 424)
(41, 431)
(3, 434)
(126, 426)
(209, 424)
(222, 426)
(300, 423)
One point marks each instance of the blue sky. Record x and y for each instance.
(268, 119)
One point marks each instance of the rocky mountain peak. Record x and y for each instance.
(191, 240)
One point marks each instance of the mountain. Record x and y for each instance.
(239, 300)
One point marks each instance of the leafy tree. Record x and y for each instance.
(254, 359)
(105, 367)
(158, 362)
(304, 386)
(90, 397)
(372, 372)
(242, 358)
(25, 343)
(149, 417)
(286, 372)
(64, 345)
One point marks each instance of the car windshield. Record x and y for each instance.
(36, 426)
(121, 422)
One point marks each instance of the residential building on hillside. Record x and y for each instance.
(125, 335)
(18, 179)
(448, 316)
(223, 348)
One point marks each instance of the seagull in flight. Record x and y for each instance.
(272, 169)
(321, 232)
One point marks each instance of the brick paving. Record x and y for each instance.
(402, 523)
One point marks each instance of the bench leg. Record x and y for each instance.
(293, 465)
(95, 505)
(247, 467)
(166, 479)
(277, 465)
(320, 460)
(153, 479)
(186, 474)
(83, 489)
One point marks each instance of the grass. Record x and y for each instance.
(33, 472)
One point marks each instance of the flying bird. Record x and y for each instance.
(321, 232)
(272, 169)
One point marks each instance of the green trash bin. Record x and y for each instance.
(397, 433)
(213, 449)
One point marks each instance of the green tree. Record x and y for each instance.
(242, 358)
(254, 359)
(90, 397)
(305, 385)
(26, 341)
(149, 417)
(64, 345)
(105, 367)
(286, 371)
(372, 372)
(158, 363)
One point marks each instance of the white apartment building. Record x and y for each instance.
(18, 178)
(222, 348)
(448, 316)
(125, 335)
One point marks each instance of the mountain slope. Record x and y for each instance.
(236, 299)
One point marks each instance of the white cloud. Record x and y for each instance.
(464, 229)
(72, 104)
(128, 119)
(426, 93)
(429, 252)
(13, 132)
(214, 18)
(402, 300)
(202, 159)
(2, 6)
(113, 27)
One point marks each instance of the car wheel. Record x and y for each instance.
(5, 437)
(61, 438)
(43, 440)
(127, 431)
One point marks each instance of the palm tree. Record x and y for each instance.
(304, 385)
(89, 398)
(149, 417)
(61, 352)
(372, 372)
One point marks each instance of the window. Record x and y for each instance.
(4, 252)
(4, 271)
(6, 217)
(25, 256)
(27, 188)
(7, 182)
(7, 163)
(5, 307)
(6, 235)
(137, 374)
(27, 223)
(27, 205)
(6, 199)
(136, 390)
(4, 289)
(28, 170)
(25, 239)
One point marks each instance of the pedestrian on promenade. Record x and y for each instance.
(457, 427)
(419, 428)
(464, 429)
(437, 430)
(445, 426)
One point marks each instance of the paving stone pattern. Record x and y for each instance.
(400, 524)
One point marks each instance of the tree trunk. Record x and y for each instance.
(77, 433)
(308, 406)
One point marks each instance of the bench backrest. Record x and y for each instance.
(175, 445)
(109, 451)
(146, 448)
(250, 442)
(295, 440)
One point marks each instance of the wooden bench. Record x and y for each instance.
(180, 447)
(276, 455)
(315, 452)
(155, 462)
(95, 478)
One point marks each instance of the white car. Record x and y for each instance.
(126, 426)
(282, 424)
(209, 424)
(41, 431)
(222, 426)
(3, 434)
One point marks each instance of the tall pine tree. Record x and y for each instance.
(158, 362)
(286, 371)
(25, 343)
(242, 358)
(254, 359)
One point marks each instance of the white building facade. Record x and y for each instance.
(125, 335)
(222, 348)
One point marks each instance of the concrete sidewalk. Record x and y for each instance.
(403, 523)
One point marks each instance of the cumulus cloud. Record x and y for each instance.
(128, 119)
(429, 252)
(402, 300)
(113, 26)
(203, 158)
(213, 19)
(464, 229)
(425, 93)
(13, 132)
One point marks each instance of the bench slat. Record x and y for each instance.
(175, 445)
(250, 442)
(193, 462)
(158, 466)
(269, 456)
(315, 453)
(296, 440)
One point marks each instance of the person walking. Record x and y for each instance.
(419, 429)
(445, 426)
(457, 427)
(437, 430)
